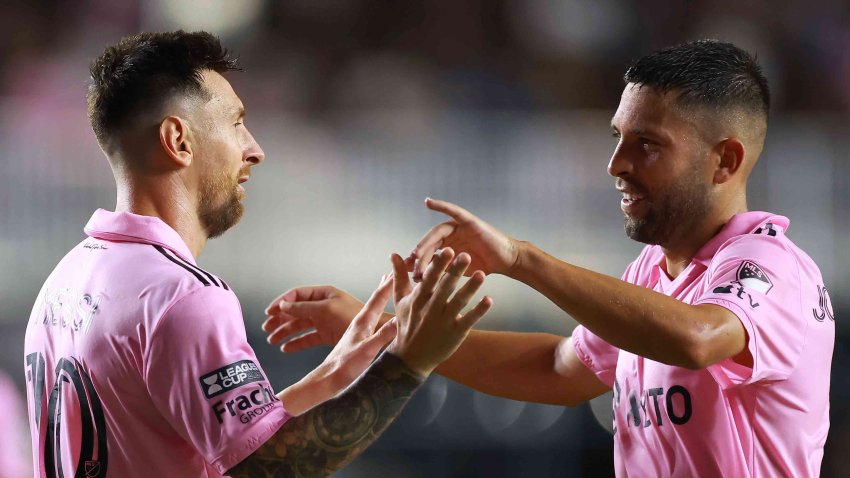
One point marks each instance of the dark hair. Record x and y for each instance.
(705, 73)
(141, 71)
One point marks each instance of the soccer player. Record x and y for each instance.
(718, 340)
(136, 359)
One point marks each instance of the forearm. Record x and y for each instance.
(519, 366)
(627, 316)
(331, 434)
(317, 387)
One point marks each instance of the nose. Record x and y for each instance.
(253, 153)
(620, 162)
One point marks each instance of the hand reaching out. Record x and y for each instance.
(430, 325)
(323, 312)
(355, 350)
(490, 250)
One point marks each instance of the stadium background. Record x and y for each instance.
(365, 107)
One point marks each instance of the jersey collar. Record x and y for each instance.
(129, 227)
(740, 224)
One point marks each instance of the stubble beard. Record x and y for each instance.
(675, 210)
(217, 215)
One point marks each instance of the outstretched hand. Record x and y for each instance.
(310, 316)
(430, 325)
(356, 348)
(364, 337)
(490, 250)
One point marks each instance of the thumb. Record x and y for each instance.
(303, 309)
(381, 338)
(298, 294)
(371, 311)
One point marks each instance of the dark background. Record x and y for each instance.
(365, 107)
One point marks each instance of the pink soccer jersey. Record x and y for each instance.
(728, 420)
(137, 362)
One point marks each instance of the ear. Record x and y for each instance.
(175, 138)
(730, 154)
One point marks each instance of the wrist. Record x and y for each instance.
(519, 250)
(321, 384)
(394, 360)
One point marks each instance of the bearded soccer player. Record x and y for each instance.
(718, 340)
(136, 358)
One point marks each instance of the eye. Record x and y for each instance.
(615, 134)
(237, 123)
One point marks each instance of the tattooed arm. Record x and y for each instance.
(330, 435)
(430, 329)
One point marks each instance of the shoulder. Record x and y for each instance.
(181, 270)
(159, 278)
(765, 251)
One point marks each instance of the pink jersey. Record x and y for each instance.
(137, 362)
(728, 420)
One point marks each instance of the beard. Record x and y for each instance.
(674, 210)
(220, 204)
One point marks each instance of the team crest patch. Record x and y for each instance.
(751, 276)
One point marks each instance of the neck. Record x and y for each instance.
(169, 200)
(680, 253)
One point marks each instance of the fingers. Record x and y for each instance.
(428, 245)
(401, 282)
(452, 210)
(299, 294)
(465, 293)
(297, 310)
(306, 341)
(288, 329)
(450, 279)
(471, 317)
(371, 311)
(434, 271)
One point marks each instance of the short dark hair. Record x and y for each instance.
(142, 71)
(705, 73)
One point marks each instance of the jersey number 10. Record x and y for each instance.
(92, 461)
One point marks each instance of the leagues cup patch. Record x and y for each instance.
(230, 377)
(751, 276)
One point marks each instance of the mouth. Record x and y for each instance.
(632, 202)
(239, 182)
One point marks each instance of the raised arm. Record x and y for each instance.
(430, 327)
(532, 367)
(330, 435)
(629, 317)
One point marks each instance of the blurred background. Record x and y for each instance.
(366, 107)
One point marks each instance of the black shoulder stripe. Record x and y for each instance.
(214, 280)
(209, 276)
(199, 276)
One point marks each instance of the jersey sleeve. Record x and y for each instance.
(596, 354)
(206, 381)
(758, 279)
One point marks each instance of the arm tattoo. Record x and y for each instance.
(330, 435)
